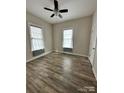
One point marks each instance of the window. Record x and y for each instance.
(68, 40)
(37, 43)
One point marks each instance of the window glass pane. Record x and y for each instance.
(68, 38)
(36, 38)
(36, 32)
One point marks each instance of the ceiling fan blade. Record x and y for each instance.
(63, 10)
(60, 16)
(56, 4)
(48, 9)
(52, 15)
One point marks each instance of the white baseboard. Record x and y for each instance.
(94, 72)
(90, 61)
(38, 56)
(71, 53)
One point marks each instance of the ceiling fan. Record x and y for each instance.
(56, 11)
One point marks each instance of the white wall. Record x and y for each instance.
(47, 32)
(82, 29)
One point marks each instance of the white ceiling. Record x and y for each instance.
(76, 9)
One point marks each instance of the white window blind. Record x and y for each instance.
(36, 38)
(68, 38)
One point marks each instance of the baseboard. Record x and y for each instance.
(94, 72)
(93, 69)
(71, 53)
(90, 60)
(38, 56)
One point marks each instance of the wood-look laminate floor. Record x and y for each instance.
(60, 73)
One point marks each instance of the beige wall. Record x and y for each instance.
(47, 32)
(81, 28)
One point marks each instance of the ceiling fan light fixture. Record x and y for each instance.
(56, 11)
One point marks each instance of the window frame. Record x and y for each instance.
(34, 25)
(69, 28)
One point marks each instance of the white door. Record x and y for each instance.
(93, 40)
(92, 52)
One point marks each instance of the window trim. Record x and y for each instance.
(30, 38)
(68, 28)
